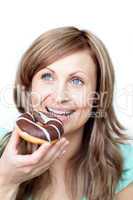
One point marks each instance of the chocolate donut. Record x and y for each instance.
(39, 127)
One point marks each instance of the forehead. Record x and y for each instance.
(78, 61)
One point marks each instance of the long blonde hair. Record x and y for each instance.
(97, 167)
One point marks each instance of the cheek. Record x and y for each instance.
(39, 93)
(83, 99)
(82, 115)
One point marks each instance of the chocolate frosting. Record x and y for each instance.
(41, 125)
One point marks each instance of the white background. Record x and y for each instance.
(23, 21)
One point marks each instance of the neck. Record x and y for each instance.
(57, 169)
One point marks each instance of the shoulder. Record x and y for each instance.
(127, 174)
(3, 131)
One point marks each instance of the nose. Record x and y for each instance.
(61, 94)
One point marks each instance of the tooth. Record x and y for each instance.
(58, 112)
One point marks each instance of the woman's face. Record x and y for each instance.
(66, 88)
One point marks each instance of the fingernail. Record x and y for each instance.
(47, 145)
(63, 139)
(63, 153)
(67, 142)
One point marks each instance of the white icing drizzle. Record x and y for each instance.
(30, 114)
(46, 133)
(47, 119)
(56, 130)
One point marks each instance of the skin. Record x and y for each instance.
(58, 89)
(61, 89)
(25, 167)
(126, 193)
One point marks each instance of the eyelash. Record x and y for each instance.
(76, 78)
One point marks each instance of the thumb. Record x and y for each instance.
(14, 140)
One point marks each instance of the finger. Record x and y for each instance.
(51, 155)
(14, 141)
(54, 150)
(40, 153)
(30, 159)
(35, 147)
(54, 153)
(29, 148)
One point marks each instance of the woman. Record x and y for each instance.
(68, 70)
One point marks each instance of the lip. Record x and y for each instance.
(63, 118)
(60, 109)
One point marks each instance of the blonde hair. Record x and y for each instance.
(97, 167)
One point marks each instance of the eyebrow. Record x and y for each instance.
(69, 74)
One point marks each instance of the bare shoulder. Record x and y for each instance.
(126, 193)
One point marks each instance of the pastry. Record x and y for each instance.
(39, 127)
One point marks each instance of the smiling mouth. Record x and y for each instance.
(52, 112)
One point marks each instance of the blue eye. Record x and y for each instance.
(77, 81)
(46, 76)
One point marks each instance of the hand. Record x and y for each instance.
(16, 168)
